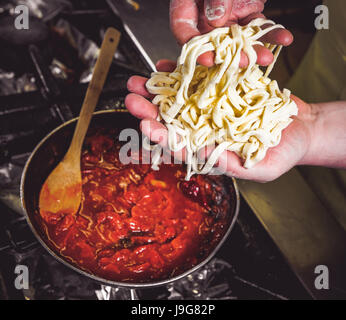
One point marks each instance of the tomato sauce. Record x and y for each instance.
(136, 224)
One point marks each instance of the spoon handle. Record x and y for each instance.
(104, 60)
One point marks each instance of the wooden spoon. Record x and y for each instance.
(62, 190)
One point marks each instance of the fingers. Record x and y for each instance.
(217, 11)
(230, 164)
(184, 19)
(166, 65)
(135, 102)
(264, 57)
(206, 59)
(222, 163)
(140, 107)
(295, 141)
(250, 17)
(158, 133)
(304, 109)
(136, 84)
(233, 166)
(278, 36)
(155, 131)
(242, 9)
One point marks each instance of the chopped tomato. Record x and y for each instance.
(136, 224)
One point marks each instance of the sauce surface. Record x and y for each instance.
(136, 224)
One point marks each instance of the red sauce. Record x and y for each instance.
(136, 224)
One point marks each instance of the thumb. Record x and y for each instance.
(217, 11)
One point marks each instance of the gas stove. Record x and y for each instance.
(49, 91)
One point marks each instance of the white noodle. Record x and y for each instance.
(238, 109)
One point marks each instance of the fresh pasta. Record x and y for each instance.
(237, 109)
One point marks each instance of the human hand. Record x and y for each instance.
(190, 18)
(292, 149)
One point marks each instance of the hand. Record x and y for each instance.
(292, 149)
(190, 18)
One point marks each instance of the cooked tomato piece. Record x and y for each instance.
(136, 224)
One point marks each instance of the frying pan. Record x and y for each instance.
(51, 150)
